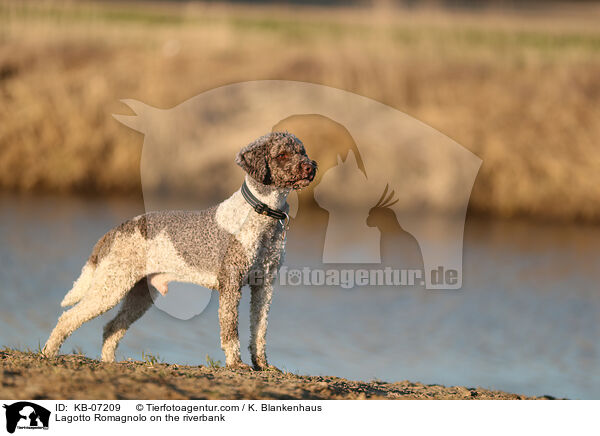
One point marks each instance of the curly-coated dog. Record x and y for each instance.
(217, 248)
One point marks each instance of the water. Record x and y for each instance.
(526, 321)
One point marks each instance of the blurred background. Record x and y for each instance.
(516, 83)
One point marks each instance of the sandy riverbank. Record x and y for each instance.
(26, 375)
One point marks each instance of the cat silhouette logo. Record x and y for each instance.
(26, 415)
(385, 178)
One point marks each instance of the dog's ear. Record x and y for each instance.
(253, 159)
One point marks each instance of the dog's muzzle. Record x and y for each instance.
(307, 171)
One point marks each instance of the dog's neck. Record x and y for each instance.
(272, 196)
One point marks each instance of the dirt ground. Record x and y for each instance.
(26, 375)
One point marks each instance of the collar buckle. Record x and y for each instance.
(261, 209)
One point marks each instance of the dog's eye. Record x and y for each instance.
(282, 156)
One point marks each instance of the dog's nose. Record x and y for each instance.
(308, 169)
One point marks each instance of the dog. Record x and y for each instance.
(217, 248)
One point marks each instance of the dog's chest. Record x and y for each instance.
(259, 235)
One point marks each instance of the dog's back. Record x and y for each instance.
(188, 244)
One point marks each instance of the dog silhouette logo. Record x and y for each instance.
(26, 415)
(346, 221)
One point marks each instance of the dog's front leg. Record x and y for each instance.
(229, 302)
(260, 302)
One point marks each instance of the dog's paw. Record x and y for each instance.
(239, 366)
(266, 367)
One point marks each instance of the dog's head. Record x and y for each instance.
(278, 159)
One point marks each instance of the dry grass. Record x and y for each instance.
(521, 90)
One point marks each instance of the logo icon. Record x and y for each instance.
(391, 191)
(26, 415)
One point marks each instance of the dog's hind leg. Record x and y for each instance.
(135, 304)
(95, 302)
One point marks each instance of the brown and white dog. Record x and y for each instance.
(216, 248)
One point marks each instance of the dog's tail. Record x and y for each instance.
(80, 287)
(84, 282)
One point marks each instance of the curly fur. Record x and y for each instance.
(216, 248)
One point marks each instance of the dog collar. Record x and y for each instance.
(261, 207)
